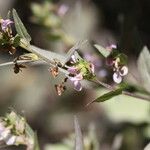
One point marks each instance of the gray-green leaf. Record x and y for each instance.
(20, 28)
(77, 46)
(102, 50)
(143, 64)
(78, 135)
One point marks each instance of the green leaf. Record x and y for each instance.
(109, 95)
(20, 28)
(36, 143)
(77, 46)
(102, 50)
(8, 14)
(78, 135)
(16, 41)
(123, 58)
(143, 64)
(47, 55)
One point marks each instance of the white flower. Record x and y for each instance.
(5, 134)
(117, 78)
(11, 140)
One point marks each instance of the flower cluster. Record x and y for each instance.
(118, 62)
(80, 69)
(100, 71)
(13, 131)
(7, 41)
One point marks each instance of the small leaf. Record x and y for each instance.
(109, 95)
(36, 143)
(8, 14)
(143, 64)
(73, 49)
(78, 135)
(16, 41)
(123, 58)
(21, 30)
(102, 50)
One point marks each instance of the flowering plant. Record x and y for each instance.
(13, 128)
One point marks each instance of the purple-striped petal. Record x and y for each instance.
(123, 71)
(72, 70)
(77, 86)
(117, 78)
(78, 77)
(5, 24)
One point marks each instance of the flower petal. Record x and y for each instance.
(5, 24)
(78, 77)
(123, 71)
(77, 86)
(72, 70)
(63, 10)
(117, 78)
(11, 140)
(73, 59)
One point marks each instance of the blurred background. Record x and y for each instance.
(121, 123)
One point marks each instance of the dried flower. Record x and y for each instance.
(17, 68)
(54, 71)
(60, 88)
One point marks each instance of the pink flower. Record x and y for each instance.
(76, 82)
(5, 23)
(62, 10)
(118, 75)
(111, 47)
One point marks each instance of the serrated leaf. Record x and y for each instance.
(143, 64)
(109, 95)
(102, 50)
(20, 28)
(78, 135)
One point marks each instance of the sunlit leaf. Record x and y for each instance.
(78, 135)
(102, 50)
(144, 68)
(21, 30)
(109, 95)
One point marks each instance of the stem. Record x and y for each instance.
(34, 49)
(111, 88)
